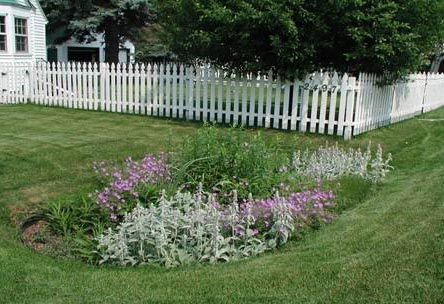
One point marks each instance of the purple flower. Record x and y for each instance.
(122, 181)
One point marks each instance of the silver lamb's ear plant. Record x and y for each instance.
(283, 221)
(331, 162)
(380, 167)
(189, 228)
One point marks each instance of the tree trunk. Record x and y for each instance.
(111, 42)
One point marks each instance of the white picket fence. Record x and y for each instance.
(324, 102)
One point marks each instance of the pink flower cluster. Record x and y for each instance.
(123, 181)
(305, 207)
(283, 215)
(303, 204)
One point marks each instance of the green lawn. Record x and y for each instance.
(388, 249)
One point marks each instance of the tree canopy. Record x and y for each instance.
(83, 19)
(386, 36)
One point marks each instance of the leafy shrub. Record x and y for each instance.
(223, 161)
(189, 228)
(331, 162)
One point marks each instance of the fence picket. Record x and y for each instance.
(59, 90)
(333, 99)
(342, 105)
(142, 93)
(113, 90)
(190, 95)
(212, 94)
(236, 101)
(174, 90)
(90, 87)
(156, 90)
(350, 108)
(199, 87)
(182, 97)
(269, 98)
(130, 88)
(228, 104)
(137, 89)
(314, 103)
(118, 77)
(70, 94)
(324, 96)
(167, 91)
(294, 104)
(51, 81)
(95, 75)
(367, 102)
(277, 103)
(125, 103)
(305, 101)
(260, 106)
(149, 90)
(286, 105)
(202, 105)
(84, 86)
(244, 101)
(252, 113)
(220, 101)
(66, 91)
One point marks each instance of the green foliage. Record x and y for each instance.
(230, 159)
(70, 228)
(69, 216)
(387, 37)
(351, 191)
(150, 45)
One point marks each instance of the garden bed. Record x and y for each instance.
(223, 196)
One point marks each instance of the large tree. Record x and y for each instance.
(384, 36)
(83, 19)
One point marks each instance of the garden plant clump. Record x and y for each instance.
(330, 162)
(125, 184)
(190, 228)
(225, 195)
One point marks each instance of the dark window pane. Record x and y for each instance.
(2, 43)
(21, 44)
(20, 26)
(2, 24)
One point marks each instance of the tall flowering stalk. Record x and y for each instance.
(122, 182)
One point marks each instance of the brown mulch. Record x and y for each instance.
(31, 234)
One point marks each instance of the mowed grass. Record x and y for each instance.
(388, 249)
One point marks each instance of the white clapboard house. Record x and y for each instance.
(22, 31)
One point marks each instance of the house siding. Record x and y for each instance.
(39, 36)
(36, 33)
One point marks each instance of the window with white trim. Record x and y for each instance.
(2, 33)
(21, 35)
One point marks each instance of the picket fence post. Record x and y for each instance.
(351, 90)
